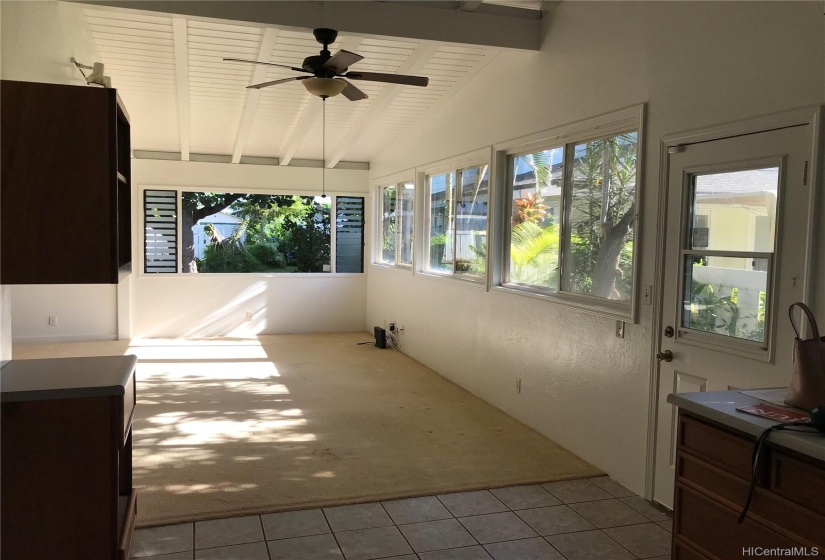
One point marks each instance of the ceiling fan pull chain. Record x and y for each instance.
(324, 148)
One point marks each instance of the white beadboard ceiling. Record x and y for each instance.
(183, 98)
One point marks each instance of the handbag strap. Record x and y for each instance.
(807, 311)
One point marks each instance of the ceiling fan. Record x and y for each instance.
(327, 71)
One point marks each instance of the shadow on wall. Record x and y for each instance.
(243, 316)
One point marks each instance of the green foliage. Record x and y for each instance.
(602, 211)
(279, 233)
(267, 254)
(534, 254)
(710, 312)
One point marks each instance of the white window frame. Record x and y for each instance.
(477, 158)
(141, 224)
(604, 126)
(378, 186)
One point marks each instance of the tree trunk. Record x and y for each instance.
(188, 263)
(606, 269)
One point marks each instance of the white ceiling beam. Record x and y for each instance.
(310, 114)
(253, 95)
(415, 62)
(489, 24)
(181, 41)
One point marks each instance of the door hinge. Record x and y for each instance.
(805, 174)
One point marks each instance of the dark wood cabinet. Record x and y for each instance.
(713, 469)
(66, 466)
(66, 185)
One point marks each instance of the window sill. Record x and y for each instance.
(621, 312)
(251, 275)
(388, 266)
(479, 283)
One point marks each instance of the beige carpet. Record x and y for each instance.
(233, 427)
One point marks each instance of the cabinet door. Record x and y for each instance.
(57, 178)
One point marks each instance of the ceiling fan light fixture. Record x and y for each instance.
(324, 87)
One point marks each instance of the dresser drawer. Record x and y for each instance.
(785, 517)
(727, 451)
(713, 527)
(799, 482)
(681, 551)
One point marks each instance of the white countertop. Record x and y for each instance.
(65, 378)
(721, 406)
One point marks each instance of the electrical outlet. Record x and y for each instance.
(647, 294)
(619, 329)
(249, 315)
(518, 384)
(400, 329)
(52, 320)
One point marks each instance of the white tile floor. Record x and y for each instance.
(592, 519)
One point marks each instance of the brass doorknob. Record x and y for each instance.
(666, 356)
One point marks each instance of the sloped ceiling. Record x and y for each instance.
(184, 99)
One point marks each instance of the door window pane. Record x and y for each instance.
(471, 223)
(725, 295)
(602, 208)
(735, 211)
(536, 183)
(388, 195)
(442, 206)
(407, 201)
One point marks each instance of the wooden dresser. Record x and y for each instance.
(713, 469)
(66, 464)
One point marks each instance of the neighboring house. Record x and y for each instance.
(224, 223)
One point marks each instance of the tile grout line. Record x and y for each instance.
(397, 528)
(263, 530)
(331, 532)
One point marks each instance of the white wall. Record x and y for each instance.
(696, 64)
(210, 305)
(37, 39)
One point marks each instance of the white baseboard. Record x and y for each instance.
(65, 338)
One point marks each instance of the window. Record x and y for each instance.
(349, 234)
(601, 209)
(397, 206)
(457, 204)
(572, 214)
(728, 253)
(160, 209)
(223, 232)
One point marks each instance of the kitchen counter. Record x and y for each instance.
(65, 378)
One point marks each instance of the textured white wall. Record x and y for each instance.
(83, 312)
(208, 305)
(37, 39)
(696, 64)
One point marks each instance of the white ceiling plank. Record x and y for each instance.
(417, 60)
(179, 32)
(311, 112)
(488, 25)
(253, 95)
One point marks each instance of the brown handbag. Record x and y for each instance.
(807, 389)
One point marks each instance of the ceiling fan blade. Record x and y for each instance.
(353, 93)
(267, 63)
(276, 82)
(340, 61)
(389, 78)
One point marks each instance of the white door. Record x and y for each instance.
(735, 260)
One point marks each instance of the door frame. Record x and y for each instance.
(671, 144)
